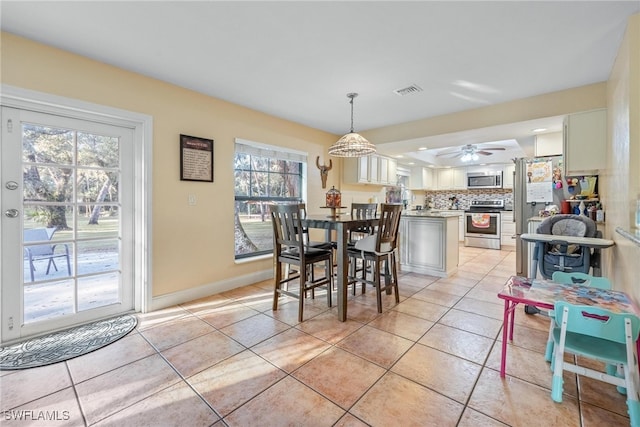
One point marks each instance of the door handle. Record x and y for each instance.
(11, 213)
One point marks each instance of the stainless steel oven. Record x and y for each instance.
(482, 224)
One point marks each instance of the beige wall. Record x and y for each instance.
(621, 179)
(192, 245)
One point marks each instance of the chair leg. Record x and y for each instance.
(557, 381)
(51, 261)
(548, 353)
(394, 272)
(277, 284)
(302, 280)
(376, 276)
(329, 275)
(633, 408)
(32, 267)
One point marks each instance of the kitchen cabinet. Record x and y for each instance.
(355, 170)
(422, 179)
(584, 142)
(507, 176)
(428, 244)
(548, 144)
(387, 171)
(459, 178)
(371, 169)
(452, 179)
(444, 179)
(508, 229)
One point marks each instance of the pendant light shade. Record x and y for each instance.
(352, 144)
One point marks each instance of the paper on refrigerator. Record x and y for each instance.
(539, 181)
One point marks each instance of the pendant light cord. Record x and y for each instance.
(351, 96)
(351, 102)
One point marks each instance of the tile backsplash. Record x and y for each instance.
(441, 198)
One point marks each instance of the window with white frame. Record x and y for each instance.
(264, 174)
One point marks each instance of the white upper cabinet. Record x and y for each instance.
(548, 144)
(452, 179)
(445, 179)
(392, 167)
(585, 142)
(355, 170)
(387, 170)
(459, 178)
(422, 179)
(507, 176)
(371, 169)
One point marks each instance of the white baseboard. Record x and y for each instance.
(168, 300)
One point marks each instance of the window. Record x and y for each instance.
(263, 174)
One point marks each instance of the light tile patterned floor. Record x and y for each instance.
(432, 360)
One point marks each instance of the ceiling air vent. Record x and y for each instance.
(408, 90)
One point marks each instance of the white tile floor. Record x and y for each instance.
(431, 360)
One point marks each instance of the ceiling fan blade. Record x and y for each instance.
(493, 148)
(484, 153)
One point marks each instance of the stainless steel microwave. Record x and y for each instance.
(491, 179)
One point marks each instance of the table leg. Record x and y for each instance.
(505, 326)
(342, 262)
(512, 319)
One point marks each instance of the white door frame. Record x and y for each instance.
(142, 125)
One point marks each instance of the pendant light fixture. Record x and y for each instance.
(352, 144)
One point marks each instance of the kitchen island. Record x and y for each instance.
(429, 243)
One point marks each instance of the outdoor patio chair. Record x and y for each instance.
(44, 251)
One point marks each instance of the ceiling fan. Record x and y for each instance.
(469, 152)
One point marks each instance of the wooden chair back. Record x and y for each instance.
(287, 226)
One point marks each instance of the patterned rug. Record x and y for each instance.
(67, 344)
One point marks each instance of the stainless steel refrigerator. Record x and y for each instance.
(523, 210)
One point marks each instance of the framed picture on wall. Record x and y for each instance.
(196, 159)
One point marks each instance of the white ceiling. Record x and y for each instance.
(298, 60)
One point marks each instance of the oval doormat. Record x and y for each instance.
(67, 344)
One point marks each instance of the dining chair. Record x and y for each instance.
(362, 211)
(308, 241)
(583, 279)
(378, 250)
(599, 334)
(290, 248)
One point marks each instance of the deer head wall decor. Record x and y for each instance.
(324, 171)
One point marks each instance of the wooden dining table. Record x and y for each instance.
(544, 294)
(341, 224)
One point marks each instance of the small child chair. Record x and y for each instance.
(599, 334)
(572, 278)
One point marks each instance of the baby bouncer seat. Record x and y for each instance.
(558, 254)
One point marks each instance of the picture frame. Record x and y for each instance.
(196, 158)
